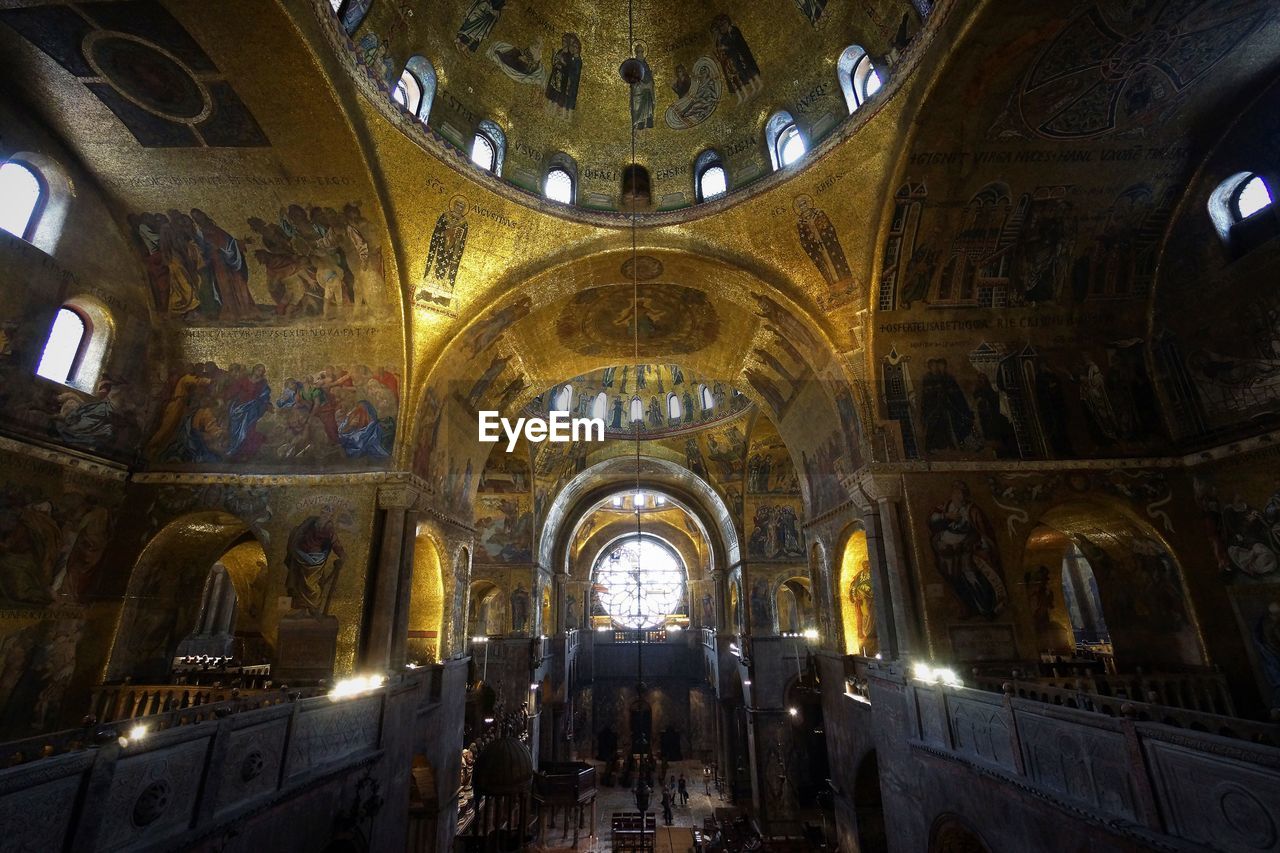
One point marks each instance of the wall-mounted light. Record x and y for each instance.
(795, 712)
(811, 633)
(639, 498)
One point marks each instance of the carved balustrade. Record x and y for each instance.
(1146, 779)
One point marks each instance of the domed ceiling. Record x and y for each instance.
(547, 75)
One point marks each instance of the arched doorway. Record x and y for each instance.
(857, 601)
(868, 806)
(165, 600)
(426, 602)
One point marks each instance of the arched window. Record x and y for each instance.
(424, 74)
(708, 399)
(786, 143)
(710, 175)
(483, 153)
(673, 407)
(563, 399)
(558, 186)
(1237, 208)
(64, 351)
(600, 406)
(408, 92)
(639, 580)
(637, 410)
(859, 79)
(488, 147)
(1252, 196)
(22, 196)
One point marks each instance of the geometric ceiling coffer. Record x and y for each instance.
(140, 62)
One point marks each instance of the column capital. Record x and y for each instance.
(398, 496)
(872, 488)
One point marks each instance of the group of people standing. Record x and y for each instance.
(674, 793)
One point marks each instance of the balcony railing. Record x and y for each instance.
(1146, 779)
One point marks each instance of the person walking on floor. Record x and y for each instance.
(684, 791)
(667, 799)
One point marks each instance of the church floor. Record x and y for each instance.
(610, 800)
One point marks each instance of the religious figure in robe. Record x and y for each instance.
(819, 240)
(699, 95)
(519, 609)
(966, 555)
(741, 72)
(566, 73)
(448, 242)
(227, 265)
(862, 600)
(479, 21)
(642, 99)
(311, 545)
(522, 64)
(948, 420)
(248, 399)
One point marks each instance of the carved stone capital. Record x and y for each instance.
(397, 496)
(875, 487)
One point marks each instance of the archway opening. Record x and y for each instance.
(166, 602)
(1101, 586)
(426, 603)
(486, 616)
(794, 606)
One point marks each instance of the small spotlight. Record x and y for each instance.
(137, 732)
(811, 633)
(534, 686)
(795, 712)
(488, 721)
(922, 671)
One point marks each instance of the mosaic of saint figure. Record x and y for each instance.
(948, 420)
(448, 242)
(311, 544)
(566, 73)
(642, 100)
(820, 242)
(698, 95)
(479, 21)
(862, 600)
(741, 72)
(966, 554)
(522, 64)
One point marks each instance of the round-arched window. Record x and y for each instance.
(639, 581)
(21, 194)
(1252, 196)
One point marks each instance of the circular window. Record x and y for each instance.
(639, 581)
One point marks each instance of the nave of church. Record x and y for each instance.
(630, 426)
